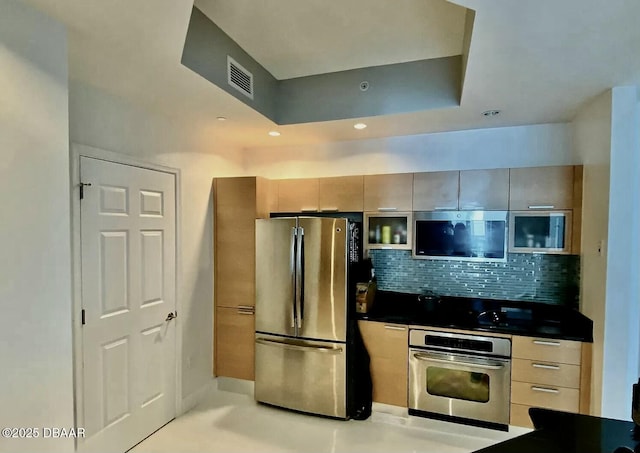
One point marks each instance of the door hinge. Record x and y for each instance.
(82, 184)
(84, 321)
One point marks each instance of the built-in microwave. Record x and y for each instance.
(468, 235)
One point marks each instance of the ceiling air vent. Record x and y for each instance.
(239, 78)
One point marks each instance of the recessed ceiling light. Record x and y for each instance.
(274, 133)
(359, 126)
(222, 118)
(489, 113)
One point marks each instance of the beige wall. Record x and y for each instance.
(100, 120)
(519, 146)
(36, 378)
(592, 139)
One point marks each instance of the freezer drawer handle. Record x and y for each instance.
(295, 347)
(484, 365)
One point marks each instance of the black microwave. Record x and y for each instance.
(467, 235)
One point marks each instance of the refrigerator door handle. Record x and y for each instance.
(296, 347)
(300, 278)
(292, 270)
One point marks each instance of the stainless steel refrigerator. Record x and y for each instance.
(307, 354)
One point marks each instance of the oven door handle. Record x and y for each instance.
(483, 365)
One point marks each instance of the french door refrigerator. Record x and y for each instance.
(309, 356)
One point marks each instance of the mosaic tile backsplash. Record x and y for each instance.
(531, 277)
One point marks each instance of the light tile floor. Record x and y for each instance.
(232, 422)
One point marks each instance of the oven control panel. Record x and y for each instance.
(447, 341)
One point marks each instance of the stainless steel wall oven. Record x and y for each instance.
(459, 377)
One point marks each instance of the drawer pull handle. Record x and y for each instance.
(445, 208)
(541, 206)
(395, 328)
(544, 389)
(546, 343)
(389, 209)
(545, 367)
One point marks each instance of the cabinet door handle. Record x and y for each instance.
(445, 208)
(387, 209)
(329, 210)
(308, 210)
(245, 307)
(535, 388)
(395, 328)
(545, 367)
(541, 206)
(546, 343)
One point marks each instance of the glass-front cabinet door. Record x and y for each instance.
(540, 232)
(388, 230)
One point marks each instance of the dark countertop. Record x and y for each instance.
(562, 432)
(484, 315)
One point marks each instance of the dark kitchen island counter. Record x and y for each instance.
(563, 432)
(483, 315)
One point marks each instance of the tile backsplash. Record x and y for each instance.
(524, 276)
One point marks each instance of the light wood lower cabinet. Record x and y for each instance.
(234, 351)
(388, 347)
(549, 373)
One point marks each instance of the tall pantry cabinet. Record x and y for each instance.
(237, 203)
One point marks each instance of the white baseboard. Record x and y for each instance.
(390, 409)
(194, 398)
(387, 413)
(236, 385)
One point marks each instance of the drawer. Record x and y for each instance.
(543, 372)
(546, 349)
(552, 397)
(520, 416)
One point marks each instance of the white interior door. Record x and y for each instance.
(128, 243)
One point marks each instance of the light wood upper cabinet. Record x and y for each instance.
(436, 191)
(345, 194)
(541, 188)
(298, 195)
(237, 203)
(387, 345)
(486, 190)
(388, 192)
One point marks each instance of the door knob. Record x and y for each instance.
(171, 315)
